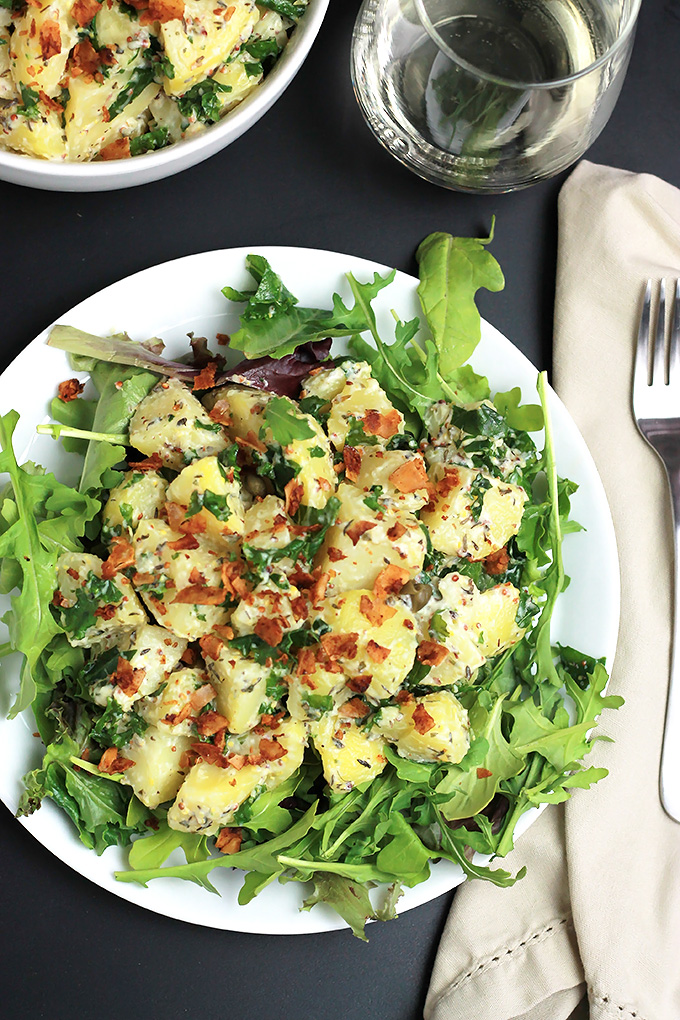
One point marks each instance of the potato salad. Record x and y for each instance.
(295, 617)
(85, 80)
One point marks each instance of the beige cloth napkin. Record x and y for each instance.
(599, 910)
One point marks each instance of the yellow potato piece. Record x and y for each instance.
(170, 421)
(208, 475)
(210, 796)
(202, 40)
(432, 728)
(346, 614)
(452, 525)
(41, 31)
(350, 756)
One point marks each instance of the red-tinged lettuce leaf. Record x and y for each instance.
(279, 375)
(119, 349)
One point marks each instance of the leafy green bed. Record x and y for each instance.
(531, 709)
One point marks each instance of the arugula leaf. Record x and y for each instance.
(293, 9)
(274, 325)
(528, 417)
(349, 899)
(202, 100)
(138, 81)
(452, 269)
(153, 849)
(159, 137)
(48, 518)
(97, 807)
(286, 425)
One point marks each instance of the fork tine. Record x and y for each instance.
(674, 351)
(659, 358)
(641, 377)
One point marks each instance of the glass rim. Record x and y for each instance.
(620, 40)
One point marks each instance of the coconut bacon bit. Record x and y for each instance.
(376, 423)
(70, 389)
(390, 581)
(112, 762)
(422, 720)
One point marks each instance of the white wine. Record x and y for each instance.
(479, 88)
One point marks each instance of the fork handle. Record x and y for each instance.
(669, 778)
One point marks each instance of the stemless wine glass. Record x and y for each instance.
(490, 95)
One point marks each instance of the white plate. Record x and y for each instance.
(168, 301)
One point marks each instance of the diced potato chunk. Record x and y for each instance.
(139, 496)
(157, 773)
(397, 473)
(170, 572)
(266, 602)
(171, 709)
(360, 394)
(363, 542)
(324, 383)
(433, 728)
(237, 79)
(43, 137)
(241, 686)
(202, 40)
(350, 756)
(210, 795)
(157, 653)
(87, 130)
(468, 524)
(353, 613)
(202, 481)
(49, 29)
(171, 422)
(478, 625)
(74, 577)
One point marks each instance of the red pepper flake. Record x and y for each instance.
(335, 555)
(375, 610)
(205, 379)
(122, 555)
(352, 460)
(483, 773)
(70, 389)
(422, 720)
(430, 653)
(359, 528)
(59, 600)
(229, 841)
(390, 581)
(376, 423)
(112, 762)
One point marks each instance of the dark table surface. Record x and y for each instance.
(309, 174)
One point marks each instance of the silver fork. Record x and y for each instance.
(656, 407)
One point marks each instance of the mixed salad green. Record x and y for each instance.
(531, 708)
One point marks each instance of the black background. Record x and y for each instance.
(309, 174)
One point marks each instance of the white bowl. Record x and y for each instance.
(127, 173)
